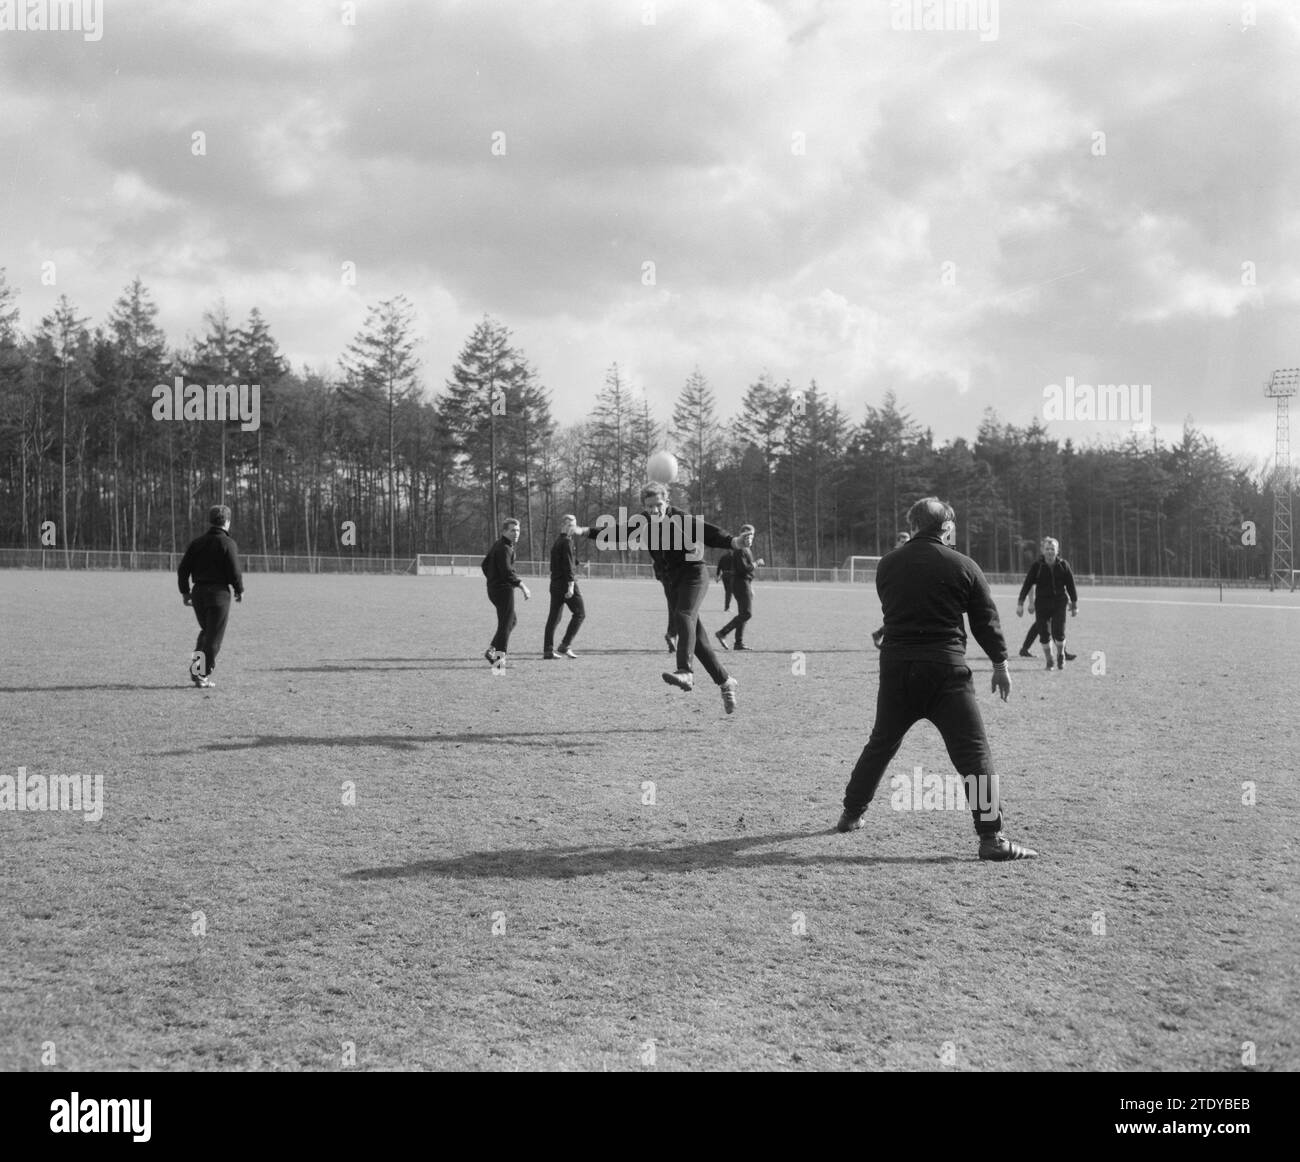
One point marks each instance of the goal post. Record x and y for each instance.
(862, 568)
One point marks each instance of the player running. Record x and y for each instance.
(742, 569)
(1053, 583)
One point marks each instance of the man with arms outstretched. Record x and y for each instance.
(676, 542)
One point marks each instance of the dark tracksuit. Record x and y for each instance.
(725, 576)
(1053, 587)
(742, 564)
(563, 572)
(924, 588)
(502, 581)
(212, 560)
(685, 584)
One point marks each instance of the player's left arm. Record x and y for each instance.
(986, 628)
(716, 538)
(236, 573)
(1069, 586)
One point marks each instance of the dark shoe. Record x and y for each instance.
(1070, 657)
(1049, 663)
(740, 646)
(682, 679)
(1026, 653)
(999, 848)
(877, 638)
(551, 657)
(491, 655)
(851, 822)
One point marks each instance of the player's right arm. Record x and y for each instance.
(568, 567)
(183, 574)
(1030, 577)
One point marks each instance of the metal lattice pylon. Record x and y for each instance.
(1281, 386)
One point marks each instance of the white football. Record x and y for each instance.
(662, 467)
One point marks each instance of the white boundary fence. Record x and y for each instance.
(467, 565)
(250, 562)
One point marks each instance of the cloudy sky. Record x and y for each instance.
(961, 215)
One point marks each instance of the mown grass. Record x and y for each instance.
(722, 926)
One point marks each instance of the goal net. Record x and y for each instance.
(447, 565)
(862, 568)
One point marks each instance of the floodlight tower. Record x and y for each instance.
(1282, 386)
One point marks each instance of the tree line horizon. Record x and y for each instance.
(419, 471)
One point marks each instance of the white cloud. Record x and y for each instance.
(673, 141)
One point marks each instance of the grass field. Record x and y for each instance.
(500, 896)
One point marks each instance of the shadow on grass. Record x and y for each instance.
(95, 686)
(423, 663)
(563, 863)
(558, 739)
(461, 661)
(810, 653)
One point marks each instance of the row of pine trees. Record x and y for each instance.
(377, 457)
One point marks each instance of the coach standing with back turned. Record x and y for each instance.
(212, 560)
(925, 588)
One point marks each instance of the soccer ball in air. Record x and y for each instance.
(662, 467)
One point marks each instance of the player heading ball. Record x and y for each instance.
(676, 542)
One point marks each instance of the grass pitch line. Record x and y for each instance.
(1207, 603)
